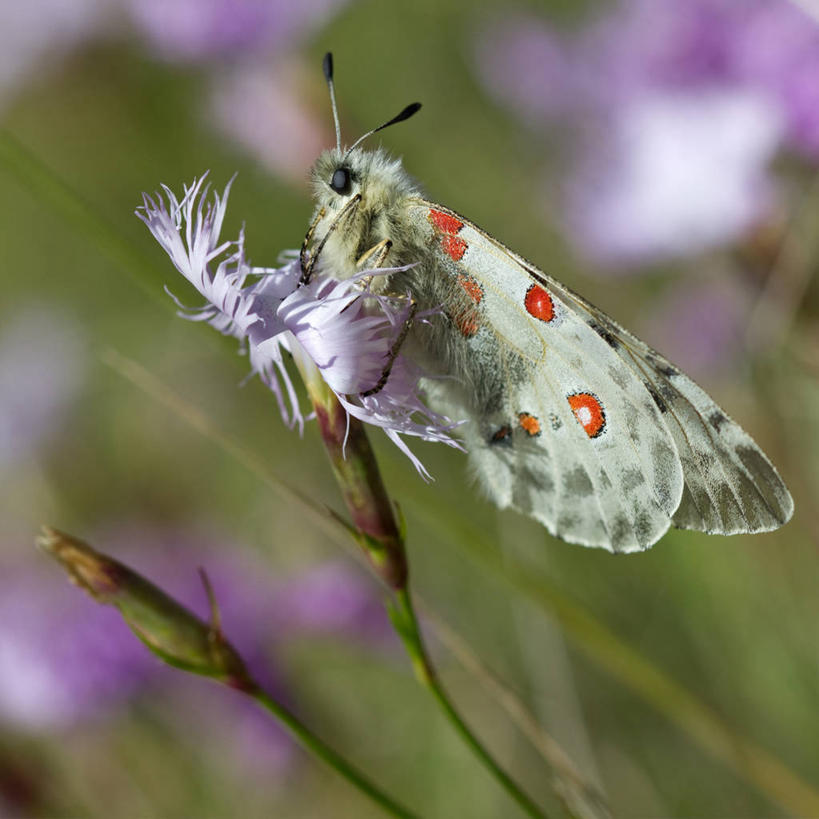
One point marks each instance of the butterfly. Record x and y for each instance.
(572, 419)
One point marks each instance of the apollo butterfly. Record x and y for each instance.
(572, 419)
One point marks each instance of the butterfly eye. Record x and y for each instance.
(340, 182)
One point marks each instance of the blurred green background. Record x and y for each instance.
(681, 682)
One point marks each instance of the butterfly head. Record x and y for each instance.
(372, 177)
(337, 177)
(363, 184)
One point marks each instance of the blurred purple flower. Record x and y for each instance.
(777, 50)
(199, 29)
(252, 100)
(678, 174)
(332, 598)
(766, 47)
(701, 323)
(651, 44)
(42, 364)
(528, 67)
(34, 33)
(338, 329)
(63, 658)
(649, 181)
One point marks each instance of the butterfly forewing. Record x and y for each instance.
(578, 423)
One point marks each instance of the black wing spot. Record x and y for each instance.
(577, 482)
(663, 367)
(631, 479)
(643, 527)
(717, 419)
(655, 396)
(619, 530)
(605, 334)
(503, 435)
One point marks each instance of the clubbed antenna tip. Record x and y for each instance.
(327, 65)
(411, 109)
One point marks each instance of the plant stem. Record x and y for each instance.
(324, 752)
(425, 671)
(359, 478)
(182, 640)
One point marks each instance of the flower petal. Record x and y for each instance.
(350, 333)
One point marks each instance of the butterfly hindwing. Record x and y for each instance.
(577, 422)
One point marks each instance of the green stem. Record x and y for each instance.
(410, 632)
(183, 640)
(357, 474)
(356, 471)
(326, 754)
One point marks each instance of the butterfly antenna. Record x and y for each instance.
(411, 109)
(327, 65)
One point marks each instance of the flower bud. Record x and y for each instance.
(174, 634)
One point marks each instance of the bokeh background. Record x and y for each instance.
(659, 156)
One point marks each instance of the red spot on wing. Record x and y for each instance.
(529, 424)
(466, 316)
(539, 303)
(453, 246)
(467, 322)
(471, 287)
(589, 412)
(445, 222)
(448, 225)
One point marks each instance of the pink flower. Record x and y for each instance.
(202, 29)
(678, 173)
(671, 113)
(255, 98)
(340, 327)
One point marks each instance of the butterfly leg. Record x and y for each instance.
(308, 237)
(347, 210)
(374, 258)
(378, 253)
(393, 352)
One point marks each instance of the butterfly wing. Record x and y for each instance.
(730, 485)
(576, 421)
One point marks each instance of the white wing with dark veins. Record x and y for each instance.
(594, 434)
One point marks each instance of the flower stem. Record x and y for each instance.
(325, 753)
(359, 478)
(181, 639)
(407, 625)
